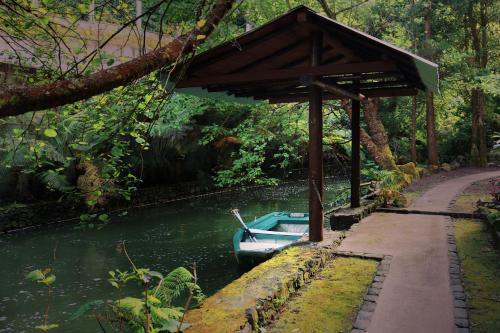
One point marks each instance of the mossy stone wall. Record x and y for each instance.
(254, 299)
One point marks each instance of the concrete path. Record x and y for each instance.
(438, 198)
(416, 296)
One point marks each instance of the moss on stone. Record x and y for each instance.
(480, 263)
(262, 290)
(331, 301)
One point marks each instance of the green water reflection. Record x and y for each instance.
(160, 238)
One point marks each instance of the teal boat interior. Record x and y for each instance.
(273, 232)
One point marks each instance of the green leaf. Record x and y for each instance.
(110, 62)
(82, 8)
(49, 280)
(171, 326)
(153, 300)
(201, 23)
(132, 304)
(50, 132)
(44, 20)
(35, 275)
(86, 308)
(103, 217)
(116, 151)
(45, 328)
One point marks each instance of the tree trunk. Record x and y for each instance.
(479, 150)
(414, 98)
(414, 129)
(18, 100)
(376, 145)
(432, 150)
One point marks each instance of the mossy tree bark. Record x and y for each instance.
(376, 144)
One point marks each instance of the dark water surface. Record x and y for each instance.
(160, 238)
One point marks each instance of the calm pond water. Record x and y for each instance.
(160, 238)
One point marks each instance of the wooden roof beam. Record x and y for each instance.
(291, 73)
(372, 93)
(338, 90)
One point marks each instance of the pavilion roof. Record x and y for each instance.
(272, 62)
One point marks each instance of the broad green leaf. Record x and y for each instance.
(44, 20)
(35, 275)
(50, 132)
(49, 280)
(103, 217)
(201, 37)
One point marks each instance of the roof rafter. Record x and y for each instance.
(291, 73)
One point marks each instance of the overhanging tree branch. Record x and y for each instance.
(18, 100)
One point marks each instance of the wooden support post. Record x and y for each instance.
(355, 155)
(315, 147)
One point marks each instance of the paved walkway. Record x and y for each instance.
(416, 295)
(438, 198)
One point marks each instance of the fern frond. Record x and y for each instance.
(55, 181)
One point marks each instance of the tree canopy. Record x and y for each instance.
(108, 124)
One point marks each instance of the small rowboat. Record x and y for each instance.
(267, 235)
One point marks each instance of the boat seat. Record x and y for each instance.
(246, 246)
(280, 233)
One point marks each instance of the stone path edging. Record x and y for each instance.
(425, 212)
(461, 310)
(365, 312)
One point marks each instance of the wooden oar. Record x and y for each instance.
(236, 213)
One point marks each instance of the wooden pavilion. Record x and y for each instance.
(302, 56)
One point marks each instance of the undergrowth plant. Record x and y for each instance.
(154, 310)
(45, 277)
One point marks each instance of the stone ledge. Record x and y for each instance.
(254, 300)
(344, 218)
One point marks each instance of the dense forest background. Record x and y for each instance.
(144, 133)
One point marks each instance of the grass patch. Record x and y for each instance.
(330, 302)
(467, 202)
(480, 264)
